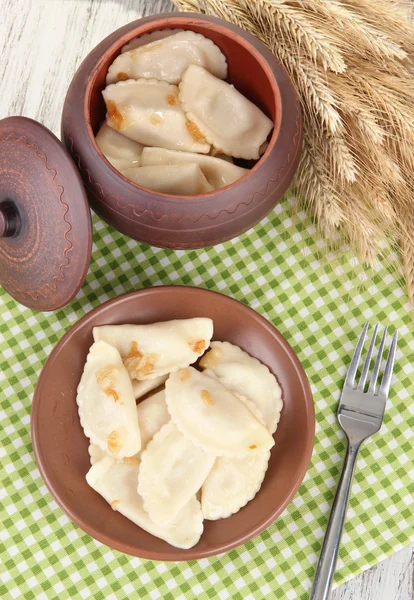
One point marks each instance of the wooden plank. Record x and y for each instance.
(43, 42)
(391, 579)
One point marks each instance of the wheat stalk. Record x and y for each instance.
(406, 244)
(352, 63)
(390, 17)
(353, 27)
(298, 31)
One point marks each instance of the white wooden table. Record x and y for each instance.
(42, 42)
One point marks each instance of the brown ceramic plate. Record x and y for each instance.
(61, 448)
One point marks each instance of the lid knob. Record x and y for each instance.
(10, 221)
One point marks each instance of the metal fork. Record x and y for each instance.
(360, 415)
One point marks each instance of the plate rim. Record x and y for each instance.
(192, 553)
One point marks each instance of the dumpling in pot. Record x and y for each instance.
(119, 150)
(217, 153)
(217, 171)
(248, 378)
(232, 483)
(166, 59)
(179, 180)
(225, 118)
(147, 38)
(171, 473)
(116, 482)
(212, 417)
(149, 351)
(107, 408)
(149, 112)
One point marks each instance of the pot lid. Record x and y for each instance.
(45, 221)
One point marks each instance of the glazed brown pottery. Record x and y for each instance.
(186, 221)
(45, 221)
(61, 448)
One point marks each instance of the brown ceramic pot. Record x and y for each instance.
(186, 221)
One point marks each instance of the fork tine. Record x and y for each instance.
(367, 362)
(350, 377)
(386, 379)
(374, 376)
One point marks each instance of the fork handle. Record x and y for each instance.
(329, 554)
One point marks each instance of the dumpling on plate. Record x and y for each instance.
(147, 38)
(96, 454)
(232, 483)
(248, 378)
(171, 473)
(217, 171)
(180, 180)
(107, 408)
(149, 351)
(116, 482)
(166, 59)
(152, 415)
(225, 118)
(149, 112)
(212, 417)
(140, 388)
(119, 150)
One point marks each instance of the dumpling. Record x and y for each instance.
(107, 408)
(218, 172)
(212, 417)
(182, 180)
(166, 59)
(263, 148)
(140, 388)
(219, 154)
(117, 483)
(225, 118)
(171, 473)
(149, 112)
(232, 483)
(119, 150)
(96, 454)
(147, 38)
(248, 378)
(152, 350)
(152, 415)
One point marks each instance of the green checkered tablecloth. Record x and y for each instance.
(319, 304)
